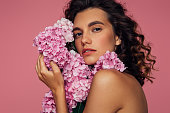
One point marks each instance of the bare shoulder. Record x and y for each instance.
(116, 78)
(115, 92)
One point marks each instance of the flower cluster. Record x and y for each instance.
(48, 103)
(77, 75)
(77, 85)
(52, 41)
(109, 61)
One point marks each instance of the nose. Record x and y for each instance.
(86, 39)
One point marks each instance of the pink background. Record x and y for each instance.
(21, 20)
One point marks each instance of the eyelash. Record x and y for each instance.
(99, 29)
(76, 35)
(93, 30)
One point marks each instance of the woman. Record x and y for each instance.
(101, 25)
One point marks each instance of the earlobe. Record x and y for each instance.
(118, 41)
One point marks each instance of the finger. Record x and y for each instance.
(55, 67)
(38, 63)
(43, 68)
(36, 68)
(39, 75)
(39, 68)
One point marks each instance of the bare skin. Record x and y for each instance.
(111, 91)
(115, 92)
(94, 31)
(55, 81)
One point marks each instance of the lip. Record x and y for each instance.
(89, 52)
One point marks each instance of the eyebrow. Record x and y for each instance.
(95, 22)
(89, 25)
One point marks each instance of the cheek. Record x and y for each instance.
(78, 45)
(106, 41)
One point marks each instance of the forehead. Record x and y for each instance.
(90, 15)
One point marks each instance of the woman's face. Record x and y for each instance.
(93, 34)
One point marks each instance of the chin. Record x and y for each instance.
(90, 61)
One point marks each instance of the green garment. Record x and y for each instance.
(80, 107)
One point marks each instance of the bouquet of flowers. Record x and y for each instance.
(77, 75)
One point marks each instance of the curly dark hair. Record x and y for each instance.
(132, 51)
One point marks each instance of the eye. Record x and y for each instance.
(76, 35)
(97, 29)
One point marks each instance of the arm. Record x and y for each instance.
(60, 101)
(54, 80)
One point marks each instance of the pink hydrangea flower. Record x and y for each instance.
(48, 103)
(109, 61)
(76, 73)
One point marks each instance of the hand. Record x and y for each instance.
(53, 79)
